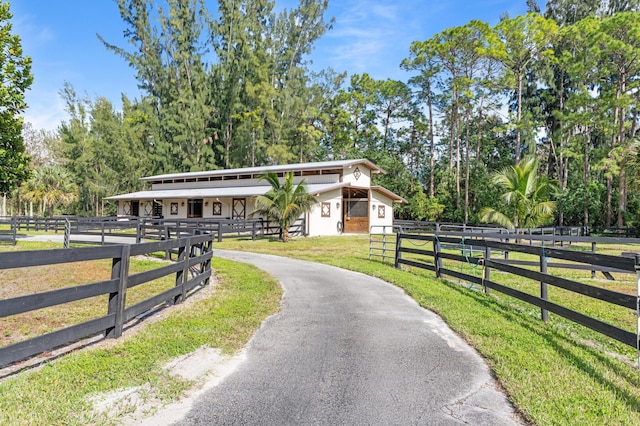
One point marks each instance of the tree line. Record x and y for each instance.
(234, 87)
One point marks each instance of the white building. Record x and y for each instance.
(347, 202)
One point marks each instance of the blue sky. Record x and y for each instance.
(370, 36)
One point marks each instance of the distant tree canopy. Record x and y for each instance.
(232, 87)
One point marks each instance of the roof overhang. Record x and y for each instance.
(236, 191)
(394, 197)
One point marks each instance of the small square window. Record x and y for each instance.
(217, 208)
(326, 210)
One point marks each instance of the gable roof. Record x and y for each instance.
(321, 165)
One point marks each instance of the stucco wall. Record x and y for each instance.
(363, 177)
(319, 225)
(380, 200)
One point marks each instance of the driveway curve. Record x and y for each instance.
(349, 349)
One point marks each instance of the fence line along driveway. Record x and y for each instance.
(350, 349)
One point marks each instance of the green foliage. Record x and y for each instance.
(15, 73)
(105, 149)
(526, 195)
(232, 88)
(50, 186)
(284, 202)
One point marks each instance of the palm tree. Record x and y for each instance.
(51, 186)
(283, 203)
(527, 196)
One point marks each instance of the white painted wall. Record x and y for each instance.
(378, 199)
(319, 225)
(364, 181)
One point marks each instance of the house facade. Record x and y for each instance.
(347, 201)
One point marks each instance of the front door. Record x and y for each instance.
(356, 211)
(239, 206)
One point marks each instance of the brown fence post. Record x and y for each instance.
(543, 285)
(119, 271)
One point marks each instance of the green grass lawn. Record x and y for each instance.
(60, 392)
(555, 374)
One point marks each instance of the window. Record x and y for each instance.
(326, 210)
(157, 208)
(239, 208)
(381, 212)
(217, 208)
(357, 208)
(174, 208)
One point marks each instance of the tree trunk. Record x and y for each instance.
(609, 200)
(585, 177)
(518, 118)
(466, 177)
(622, 197)
(432, 160)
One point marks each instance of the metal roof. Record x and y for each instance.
(390, 194)
(236, 191)
(321, 165)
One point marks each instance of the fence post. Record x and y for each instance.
(67, 233)
(593, 250)
(487, 270)
(119, 271)
(543, 285)
(437, 260)
(637, 267)
(13, 230)
(398, 255)
(207, 265)
(253, 231)
(182, 276)
(139, 231)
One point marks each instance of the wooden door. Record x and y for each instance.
(356, 216)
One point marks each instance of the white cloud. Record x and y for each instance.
(46, 111)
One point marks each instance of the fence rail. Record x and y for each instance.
(192, 270)
(8, 230)
(94, 230)
(476, 250)
(411, 226)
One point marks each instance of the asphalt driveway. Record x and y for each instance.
(348, 349)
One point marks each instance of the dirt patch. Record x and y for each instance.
(207, 367)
